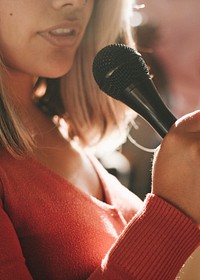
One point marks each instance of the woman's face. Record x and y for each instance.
(40, 37)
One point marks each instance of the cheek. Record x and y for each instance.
(26, 52)
(11, 42)
(35, 59)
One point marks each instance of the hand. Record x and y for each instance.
(176, 166)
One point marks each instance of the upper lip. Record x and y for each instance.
(71, 25)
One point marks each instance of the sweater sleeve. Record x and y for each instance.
(12, 263)
(154, 245)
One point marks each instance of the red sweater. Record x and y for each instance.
(49, 230)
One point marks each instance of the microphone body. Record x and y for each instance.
(153, 109)
(122, 73)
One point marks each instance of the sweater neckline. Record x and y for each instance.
(97, 168)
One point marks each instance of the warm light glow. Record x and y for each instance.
(136, 17)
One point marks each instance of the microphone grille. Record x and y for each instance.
(116, 67)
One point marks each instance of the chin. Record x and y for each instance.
(55, 72)
(54, 75)
(55, 66)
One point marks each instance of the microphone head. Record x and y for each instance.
(116, 67)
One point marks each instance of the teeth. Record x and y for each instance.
(61, 31)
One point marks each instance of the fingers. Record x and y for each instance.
(176, 164)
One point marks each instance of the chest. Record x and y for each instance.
(63, 235)
(74, 166)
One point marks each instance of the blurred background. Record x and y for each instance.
(167, 33)
(167, 36)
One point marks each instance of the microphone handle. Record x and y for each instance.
(146, 101)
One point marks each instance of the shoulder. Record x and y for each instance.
(10, 169)
(4, 161)
(8, 163)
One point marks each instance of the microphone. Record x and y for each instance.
(122, 73)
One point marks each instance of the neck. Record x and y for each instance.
(40, 126)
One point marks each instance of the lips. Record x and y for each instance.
(63, 35)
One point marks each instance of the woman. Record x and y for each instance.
(61, 212)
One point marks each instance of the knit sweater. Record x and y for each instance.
(50, 230)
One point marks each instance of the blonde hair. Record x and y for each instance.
(91, 115)
(13, 135)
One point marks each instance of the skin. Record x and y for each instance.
(26, 53)
(20, 25)
(28, 56)
(176, 166)
(175, 171)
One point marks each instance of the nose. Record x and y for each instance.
(57, 4)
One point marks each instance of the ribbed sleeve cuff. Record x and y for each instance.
(155, 245)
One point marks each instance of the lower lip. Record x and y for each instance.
(60, 41)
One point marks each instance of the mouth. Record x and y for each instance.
(63, 32)
(62, 35)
